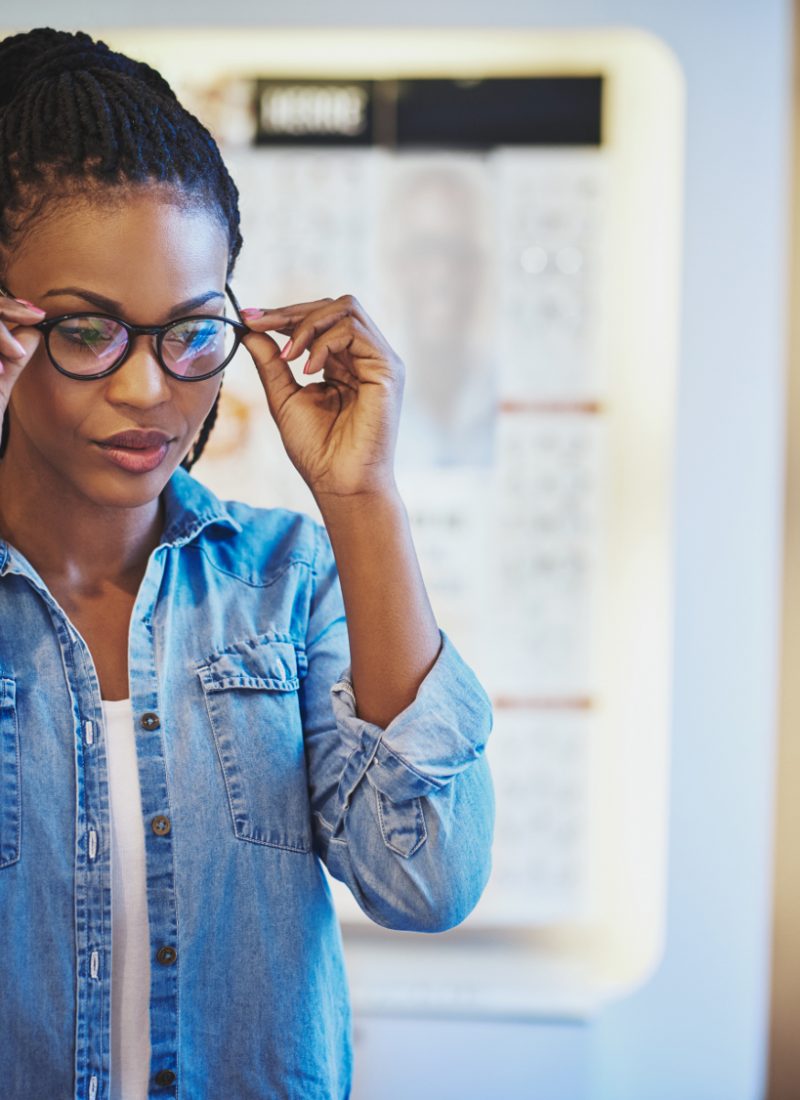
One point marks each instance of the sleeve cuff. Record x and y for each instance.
(438, 735)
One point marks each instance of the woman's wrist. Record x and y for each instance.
(381, 498)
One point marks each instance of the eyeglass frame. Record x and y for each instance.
(159, 331)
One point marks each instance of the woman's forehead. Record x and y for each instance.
(141, 249)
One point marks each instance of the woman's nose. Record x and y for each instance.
(140, 381)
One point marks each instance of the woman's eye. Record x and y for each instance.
(195, 338)
(85, 336)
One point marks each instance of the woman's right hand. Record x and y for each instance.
(17, 343)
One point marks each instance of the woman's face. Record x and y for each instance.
(146, 260)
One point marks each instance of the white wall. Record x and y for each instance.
(698, 1030)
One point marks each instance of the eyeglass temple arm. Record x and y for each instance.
(235, 301)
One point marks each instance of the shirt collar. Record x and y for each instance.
(190, 507)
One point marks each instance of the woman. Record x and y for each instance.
(199, 701)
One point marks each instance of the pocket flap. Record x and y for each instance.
(260, 663)
(8, 692)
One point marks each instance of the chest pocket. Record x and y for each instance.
(251, 695)
(10, 802)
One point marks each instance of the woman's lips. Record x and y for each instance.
(136, 459)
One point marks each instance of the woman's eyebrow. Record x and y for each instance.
(110, 306)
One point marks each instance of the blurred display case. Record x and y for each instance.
(531, 288)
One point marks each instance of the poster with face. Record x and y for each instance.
(484, 272)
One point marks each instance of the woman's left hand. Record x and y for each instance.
(340, 432)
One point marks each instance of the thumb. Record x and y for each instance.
(275, 374)
(10, 369)
(29, 340)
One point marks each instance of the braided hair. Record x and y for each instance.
(80, 120)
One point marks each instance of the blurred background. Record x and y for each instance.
(574, 222)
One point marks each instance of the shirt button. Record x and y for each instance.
(161, 825)
(150, 721)
(167, 955)
(165, 1077)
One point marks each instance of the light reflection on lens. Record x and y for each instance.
(88, 345)
(197, 347)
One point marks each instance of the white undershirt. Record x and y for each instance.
(130, 936)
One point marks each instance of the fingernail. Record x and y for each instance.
(287, 350)
(30, 305)
(18, 348)
(252, 312)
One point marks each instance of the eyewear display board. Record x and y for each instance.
(491, 200)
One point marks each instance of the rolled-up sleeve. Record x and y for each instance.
(404, 815)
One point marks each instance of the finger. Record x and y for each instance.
(347, 302)
(269, 320)
(15, 316)
(263, 320)
(345, 307)
(28, 340)
(298, 309)
(10, 330)
(276, 375)
(337, 371)
(10, 347)
(286, 328)
(286, 323)
(366, 362)
(15, 313)
(305, 320)
(19, 310)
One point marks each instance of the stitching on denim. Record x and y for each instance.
(254, 642)
(418, 815)
(180, 533)
(221, 762)
(346, 687)
(303, 849)
(8, 693)
(250, 581)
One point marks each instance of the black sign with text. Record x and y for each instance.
(466, 114)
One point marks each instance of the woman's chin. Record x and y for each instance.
(120, 488)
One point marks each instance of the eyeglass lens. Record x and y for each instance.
(87, 346)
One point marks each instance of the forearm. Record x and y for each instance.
(393, 635)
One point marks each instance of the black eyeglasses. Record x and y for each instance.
(89, 345)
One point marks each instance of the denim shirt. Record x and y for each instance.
(254, 770)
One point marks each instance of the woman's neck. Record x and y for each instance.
(68, 537)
